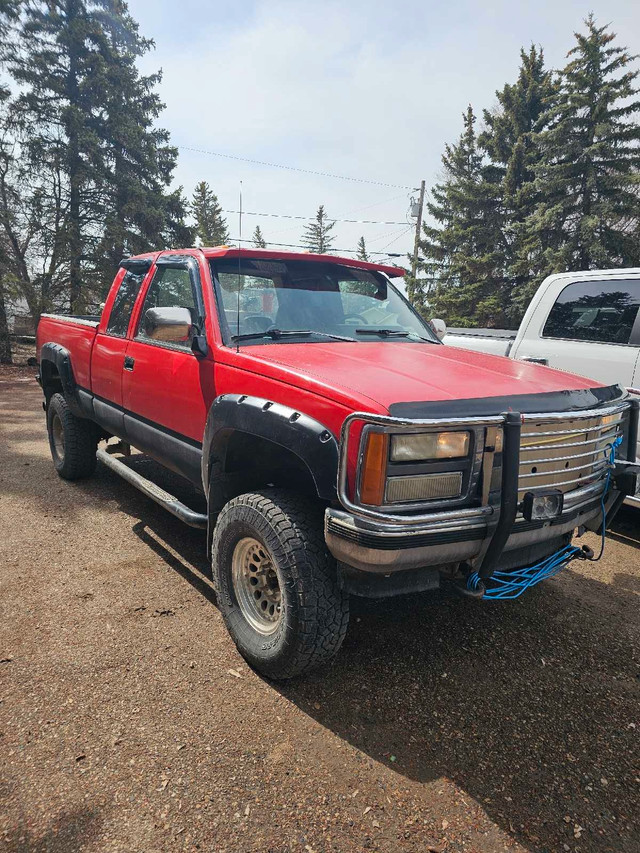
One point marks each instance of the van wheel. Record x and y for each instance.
(276, 583)
(73, 441)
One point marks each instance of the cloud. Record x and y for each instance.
(368, 89)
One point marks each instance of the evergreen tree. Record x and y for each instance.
(176, 233)
(258, 239)
(362, 250)
(510, 138)
(463, 252)
(588, 175)
(317, 235)
(211, 226)
(140, 211)
(89, 156)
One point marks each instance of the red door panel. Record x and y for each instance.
(107, 360)
(170, 387)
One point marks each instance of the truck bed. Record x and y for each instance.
(74, 332)
(509, 334)
(493, 341)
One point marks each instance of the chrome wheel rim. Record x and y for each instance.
(58, 437)
(256, 585)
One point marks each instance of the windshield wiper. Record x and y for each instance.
(386, 333)
(333, 337)
(393, 333)
(276, 334)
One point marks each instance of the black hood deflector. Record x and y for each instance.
(552, 401)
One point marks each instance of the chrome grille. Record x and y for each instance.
(566, 453)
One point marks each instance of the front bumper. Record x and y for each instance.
(484, 536)
(381, 548)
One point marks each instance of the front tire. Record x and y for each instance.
(73, 441)
(276, 583)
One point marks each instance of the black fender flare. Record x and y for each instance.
(301, 434)
(52, 354)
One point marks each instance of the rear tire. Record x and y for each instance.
(276, 583)
(73, 441)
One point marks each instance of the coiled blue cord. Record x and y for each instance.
(509, 585)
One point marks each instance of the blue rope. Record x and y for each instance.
(511, 584)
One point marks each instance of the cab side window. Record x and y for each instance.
(171, 288)
(602, 311)
(123, 304)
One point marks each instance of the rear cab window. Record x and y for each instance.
(596, 311)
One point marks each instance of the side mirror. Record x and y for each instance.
(171, 325)
(439, 327)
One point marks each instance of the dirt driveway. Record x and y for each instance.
(128, 722)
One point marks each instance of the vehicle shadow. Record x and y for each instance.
(626, 527)
(183, 548)
(526, 705)
(69, 831)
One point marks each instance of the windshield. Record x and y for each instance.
(310, 301)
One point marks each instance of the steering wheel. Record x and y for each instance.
(357, 317)
(262, 321)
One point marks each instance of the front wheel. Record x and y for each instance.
(276, 583)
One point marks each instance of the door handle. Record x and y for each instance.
(129, 362)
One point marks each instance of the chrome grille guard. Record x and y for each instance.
(594, 471)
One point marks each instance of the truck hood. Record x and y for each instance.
(389, 373)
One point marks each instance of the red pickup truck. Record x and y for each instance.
(342, 449)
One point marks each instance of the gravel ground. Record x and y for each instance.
(128, 722)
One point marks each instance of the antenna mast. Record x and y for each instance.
(239, 268)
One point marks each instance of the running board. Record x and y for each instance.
(151, 490)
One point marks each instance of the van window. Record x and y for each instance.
(602, 311)
(123, 304)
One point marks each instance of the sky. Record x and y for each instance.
(361, 89)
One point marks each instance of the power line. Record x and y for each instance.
(292, 168)
(290, 228)
(309, 218)
(376, 204)
(386, 246)
(300, 246)
(394, 234)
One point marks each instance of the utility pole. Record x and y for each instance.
(416, 245)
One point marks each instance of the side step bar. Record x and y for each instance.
(151, 490)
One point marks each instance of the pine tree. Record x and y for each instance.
(258, 239)
(211, 226)
(588, 175)
(176, 233)
(510, 138)
(362, 250)
(89, 156)
(317, 235)
(464, 250)
(140, 208)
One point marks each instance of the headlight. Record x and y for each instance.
(415, 447)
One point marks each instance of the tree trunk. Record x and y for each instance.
(5, 341)
(74, 163)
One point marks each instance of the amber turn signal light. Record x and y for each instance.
(374, 468)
